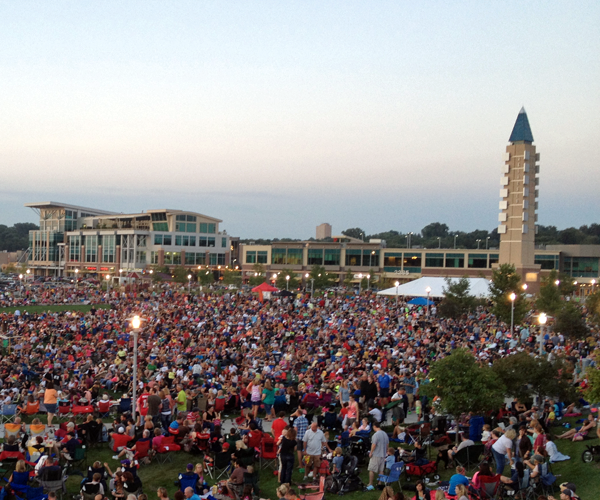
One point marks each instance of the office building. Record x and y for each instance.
(323, 231)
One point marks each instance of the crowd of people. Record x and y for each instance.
(204, 356)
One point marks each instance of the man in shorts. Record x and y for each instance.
(314, 439)
(379, 446)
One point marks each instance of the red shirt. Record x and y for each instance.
(277, 427)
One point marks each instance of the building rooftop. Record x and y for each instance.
(56, 204)
(521, 132)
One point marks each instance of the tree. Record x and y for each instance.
(457, 300)
(365, 283)
(259, 275)
(16, 237)
(463, 385)
(435, 230)
(231, 277)
(593, 306)
(525, 376)
(505, 281)
(549, 298)
(592, 374)
(281, 281)
(349, 276)
(321, 277)
(206, 277)
(180, 274)
(354, 232)
(570, 322)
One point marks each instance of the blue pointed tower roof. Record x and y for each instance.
(521, 132)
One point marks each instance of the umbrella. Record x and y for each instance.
(421, 301)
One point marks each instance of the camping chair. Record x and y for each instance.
(221, 464)
(394, 476)
(220, 404)
(8, 413)
(11, 430)
(202, 441)
(9, 461)
(104, 407)
(254, 439)
(468, 457)
(268, 453)
(316, 495)
(58, 486)
(32, 493)
(330, 421)
(64, 409)
(163, 453)
(191, 481)
(124, 405)
(142, 451)
(31, 408)
(81, 410)
(489, 487)
(79, 458)
(544, 483)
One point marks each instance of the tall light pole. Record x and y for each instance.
(512, 298)
(427, 291)
(397, 285)
(487, 241)
(108, 284)
(189, 283)
(360, 276)
(542, 318)
(455, 236)
(478, 242)
(287, 281)
(135, 323)
(439, 242)
(76, 278)
(368, 281)
(28, 274)
(593, 285)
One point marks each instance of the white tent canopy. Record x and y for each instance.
(479, 287)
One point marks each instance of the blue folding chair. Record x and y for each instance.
(394, 476)
(189, 480)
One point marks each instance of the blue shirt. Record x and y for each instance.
(384, 381)
(455, 480)
(300, 424)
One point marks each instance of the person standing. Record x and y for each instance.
(300, 424)
(314, 439)
(153, 403)
(379, 447)
(50, 401)
(287, 444)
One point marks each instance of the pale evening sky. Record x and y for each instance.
(277, 116)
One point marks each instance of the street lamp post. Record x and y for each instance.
(368, 282)
(593, 285)
(542, 318)
(487, 241)
(76, 278)
(287, 281)
(455, 236)
(189, 283)
(360, 276)
(397, 285)
(135, 323)
(439, 242)
(28, 280)
(512, 298)
(108, 284)
(427, 291)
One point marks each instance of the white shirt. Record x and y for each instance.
(502, 445)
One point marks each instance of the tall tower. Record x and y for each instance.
(518, 205)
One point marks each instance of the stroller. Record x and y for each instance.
(421, 470)
(346, 481)
(360, 447)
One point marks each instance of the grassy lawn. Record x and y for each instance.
(53, 308)
(585, 476)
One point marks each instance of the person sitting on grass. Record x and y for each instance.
(581, 432)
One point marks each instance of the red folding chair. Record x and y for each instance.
(202, 441)
(268, 453)
(254, 439)
(489, 486)
(219, 405)
(163, 453)
(142, 449)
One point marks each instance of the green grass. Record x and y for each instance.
(585, 476)
(53, 308)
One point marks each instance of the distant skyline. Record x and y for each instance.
(276, 117)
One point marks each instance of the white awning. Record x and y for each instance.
(479, 287)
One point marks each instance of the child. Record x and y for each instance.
(247, 494)
(419, 408)
(338, 461)
(390, 459)
(486, 434)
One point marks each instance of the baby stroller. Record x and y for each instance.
(346, 481)
(360, 447)
(421, 470)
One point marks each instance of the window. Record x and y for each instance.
(158, 239)
(160, 226)
(153, 257)
(370, 258)
(477, 261)
(392, 261)
(167, 239)
(221, 259)
(315, 256)
(332, 257)
(547, 261)
(108, 248)
(412, 262)
(178, 240)
(455, 260)
(211, 241)
(353, 257)
(180, 217)
(493, 259)
(179, 226)
(581, 267)
(190, 228)
(261, 257)
(74, 248)
(159, 216)
(251, 257)
(191, 218)
(224, 242)
(168, 258)
(176, 258)
(186, 241)
(278, 256)
(212, 228)
(294, 256)
(141, 240)
(200, 259)
(202, 241)
(192, 241)
(190, 258)
(434, 260)
(203, 227)
(91, 248)
(140, 256)
(213, 259)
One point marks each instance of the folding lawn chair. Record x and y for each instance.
(268, 453)
(489, 488)
(7, 413)
(394, 476)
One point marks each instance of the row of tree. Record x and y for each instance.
(16, 237)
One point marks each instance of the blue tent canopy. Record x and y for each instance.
(421, 301)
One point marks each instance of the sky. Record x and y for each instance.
(278, 116)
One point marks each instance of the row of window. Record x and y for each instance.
(182, 240)
(187, 227)
(191, 259)
(315, 256)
